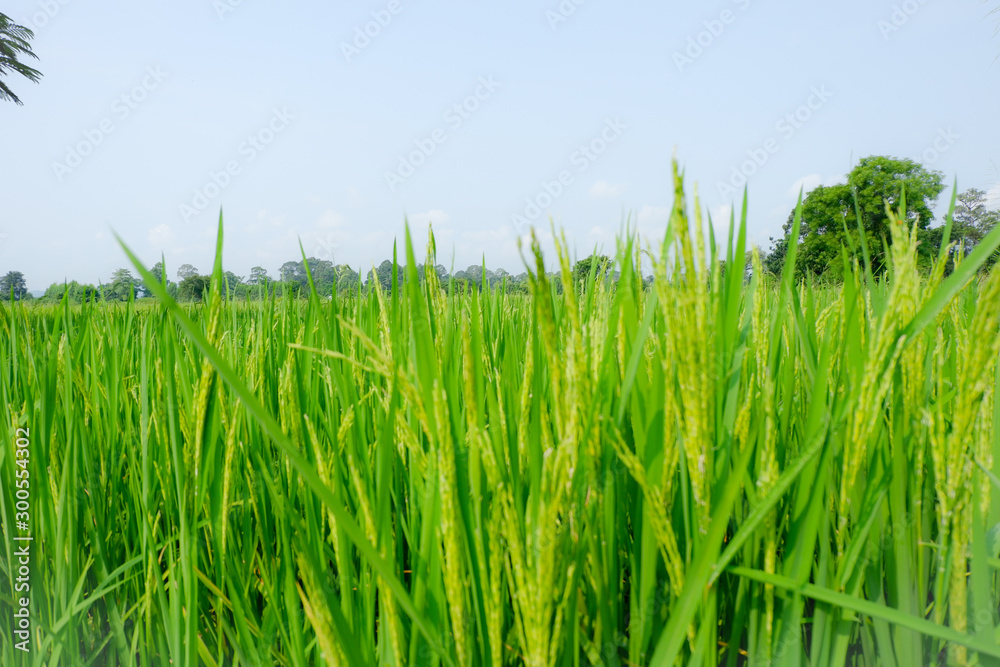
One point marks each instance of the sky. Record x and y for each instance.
(330, 124)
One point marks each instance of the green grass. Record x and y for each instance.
(705, 473)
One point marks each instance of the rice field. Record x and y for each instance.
(714, 471)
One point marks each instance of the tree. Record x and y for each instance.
(879, 180)
(972, 220)
(12, 285)
(258, 276)
(76, 292)
(233, 279)
(383, 274)
(601, 265)
(13, 45)
(346, 279)
(323, 274)
(123, 285)
(830, 220)
(293, 274)
(773, 260)
(157, 271)
(186, 271)
(193, 288)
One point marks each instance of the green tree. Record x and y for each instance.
(14, 43)
(601, 264)
(76, 292)
(12, 285)
(193, 288)
(346, 279)
(157, 271)
(383, 274)
(830, 221)
(186, 271)
(258, 276)
(323, 273)
(473, 275)
(773, 260)
(972, 219)
(123, 285)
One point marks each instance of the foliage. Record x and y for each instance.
(123, 286)
(706, 473)
(14, 45)
(232, 279)
(600, 265)
(185, 271)
(383, 276)
(258, 276)
(327, 277)
(76, 292)
(830, 214)
(12, 285)
(157, 272)
(192, 288)
(973, 220)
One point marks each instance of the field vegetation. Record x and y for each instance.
(701, 470)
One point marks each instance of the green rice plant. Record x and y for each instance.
(708, 471)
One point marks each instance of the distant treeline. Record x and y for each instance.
(329, 279)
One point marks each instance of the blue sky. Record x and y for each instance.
(328, 122)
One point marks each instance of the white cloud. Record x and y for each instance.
(161, 234)
(605, 189)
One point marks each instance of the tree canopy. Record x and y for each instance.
(12, 286)
(76, 292)
(123, 286)
(186, 271)
(601, 264)
(193, 287)
(14, 45)
(830, 214)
